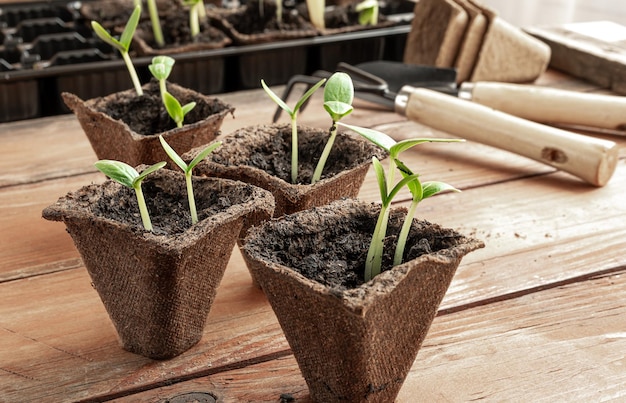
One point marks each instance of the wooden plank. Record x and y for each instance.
(561, 344)
(59, 345)
(68, 152)
(58, 322)
(30, 245)
(594, 51)
(38, 149)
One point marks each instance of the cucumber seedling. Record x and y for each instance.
(293, 115)
(123, 44)
(161, 68)
(389, 189)
(187, 170)
(338, 97)
(129, 177)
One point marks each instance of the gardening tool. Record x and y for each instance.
(591, 159)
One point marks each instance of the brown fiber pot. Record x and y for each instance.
(261, 155)
(112, 138)
(158, 287)
(353, 344)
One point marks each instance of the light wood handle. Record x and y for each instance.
(591, 159)
(550, 105)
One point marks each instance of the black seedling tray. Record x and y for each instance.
(48, 48)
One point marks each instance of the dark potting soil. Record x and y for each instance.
(253, 21)
(176, 31)
(335, 255)
(146, 114)
(272, 154)
(336, 17)
(166, 202)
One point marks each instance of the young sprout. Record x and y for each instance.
(161, 68)
(196, 11)
(316, 12)
(156, 24)
(293, 114)
(373, 263)
(175, 110)
(187, 170)
(368, 12)
(128, 176)
(123, 44)
(419, 192)
(338, 96)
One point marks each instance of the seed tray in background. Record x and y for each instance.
(48, 48)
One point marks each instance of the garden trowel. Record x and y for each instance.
(431, 103)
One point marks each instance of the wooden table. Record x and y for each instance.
(539, 314)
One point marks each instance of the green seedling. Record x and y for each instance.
(293, 114)
(187, 170)
(338, 96)
(123, 44)
(419, 192)
(316, 12)
(156, 23)
(368, 12)
(128, 176)
(161, 68)
(196, 13)
(177, 111)
(389, 189)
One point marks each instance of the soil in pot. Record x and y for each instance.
(336, 258)
(146, 114)
(177, 35)
(261, 155)
(158, 286)
(353, 341)
(252, 21)
(273, 153)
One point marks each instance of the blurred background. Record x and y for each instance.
(554, 12)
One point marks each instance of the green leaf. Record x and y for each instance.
(119, 171)
(380, 178)
(188, 107)
(161, 67)
(432, 188)
(368, 12)
(366, 4)
(404, 182)
(415, 186)
(106, 37)
(208, 150)
(337, 110)
(277, 99)
(173, 154)
(379, 138)
(129, 30)
(404, 145)
(339, 88)
(365, 17)
(148, 171)
(173, 107)
(308, 94)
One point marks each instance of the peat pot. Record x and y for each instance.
(261, 155)
(125, 127)
(158, 286)
(353, 341)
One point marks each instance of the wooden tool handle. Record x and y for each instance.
(593, 160)
(550, 105)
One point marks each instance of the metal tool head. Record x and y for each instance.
(379, 81)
